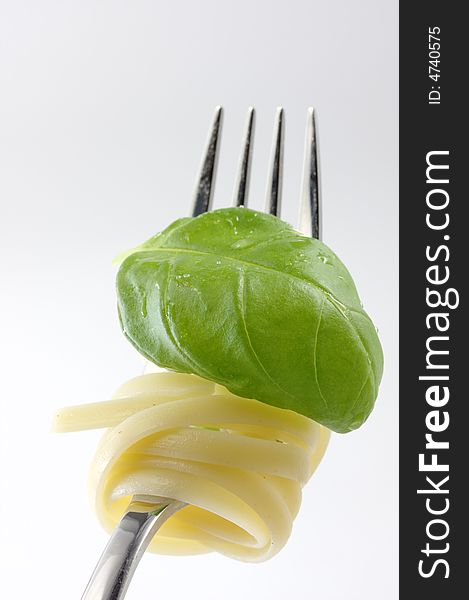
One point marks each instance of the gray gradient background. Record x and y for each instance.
(104, 108)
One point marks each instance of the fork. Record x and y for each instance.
(146, 514)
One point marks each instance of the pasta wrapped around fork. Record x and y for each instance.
(239, 464)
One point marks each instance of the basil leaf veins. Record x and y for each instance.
(241, 298)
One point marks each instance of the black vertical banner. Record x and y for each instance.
(434, 258)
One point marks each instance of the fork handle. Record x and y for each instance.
(127, 544)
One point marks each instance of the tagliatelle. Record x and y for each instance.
(239, 464)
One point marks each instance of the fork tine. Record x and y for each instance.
(274, 182)
(205, 182)
(244, 169)
(310, 207)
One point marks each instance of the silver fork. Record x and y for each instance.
(146, 514)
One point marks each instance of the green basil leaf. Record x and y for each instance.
(240, 298)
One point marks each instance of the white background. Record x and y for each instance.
(104, 111)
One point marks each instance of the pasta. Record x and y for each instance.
(239, 464)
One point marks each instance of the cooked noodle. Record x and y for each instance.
(239, 464)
